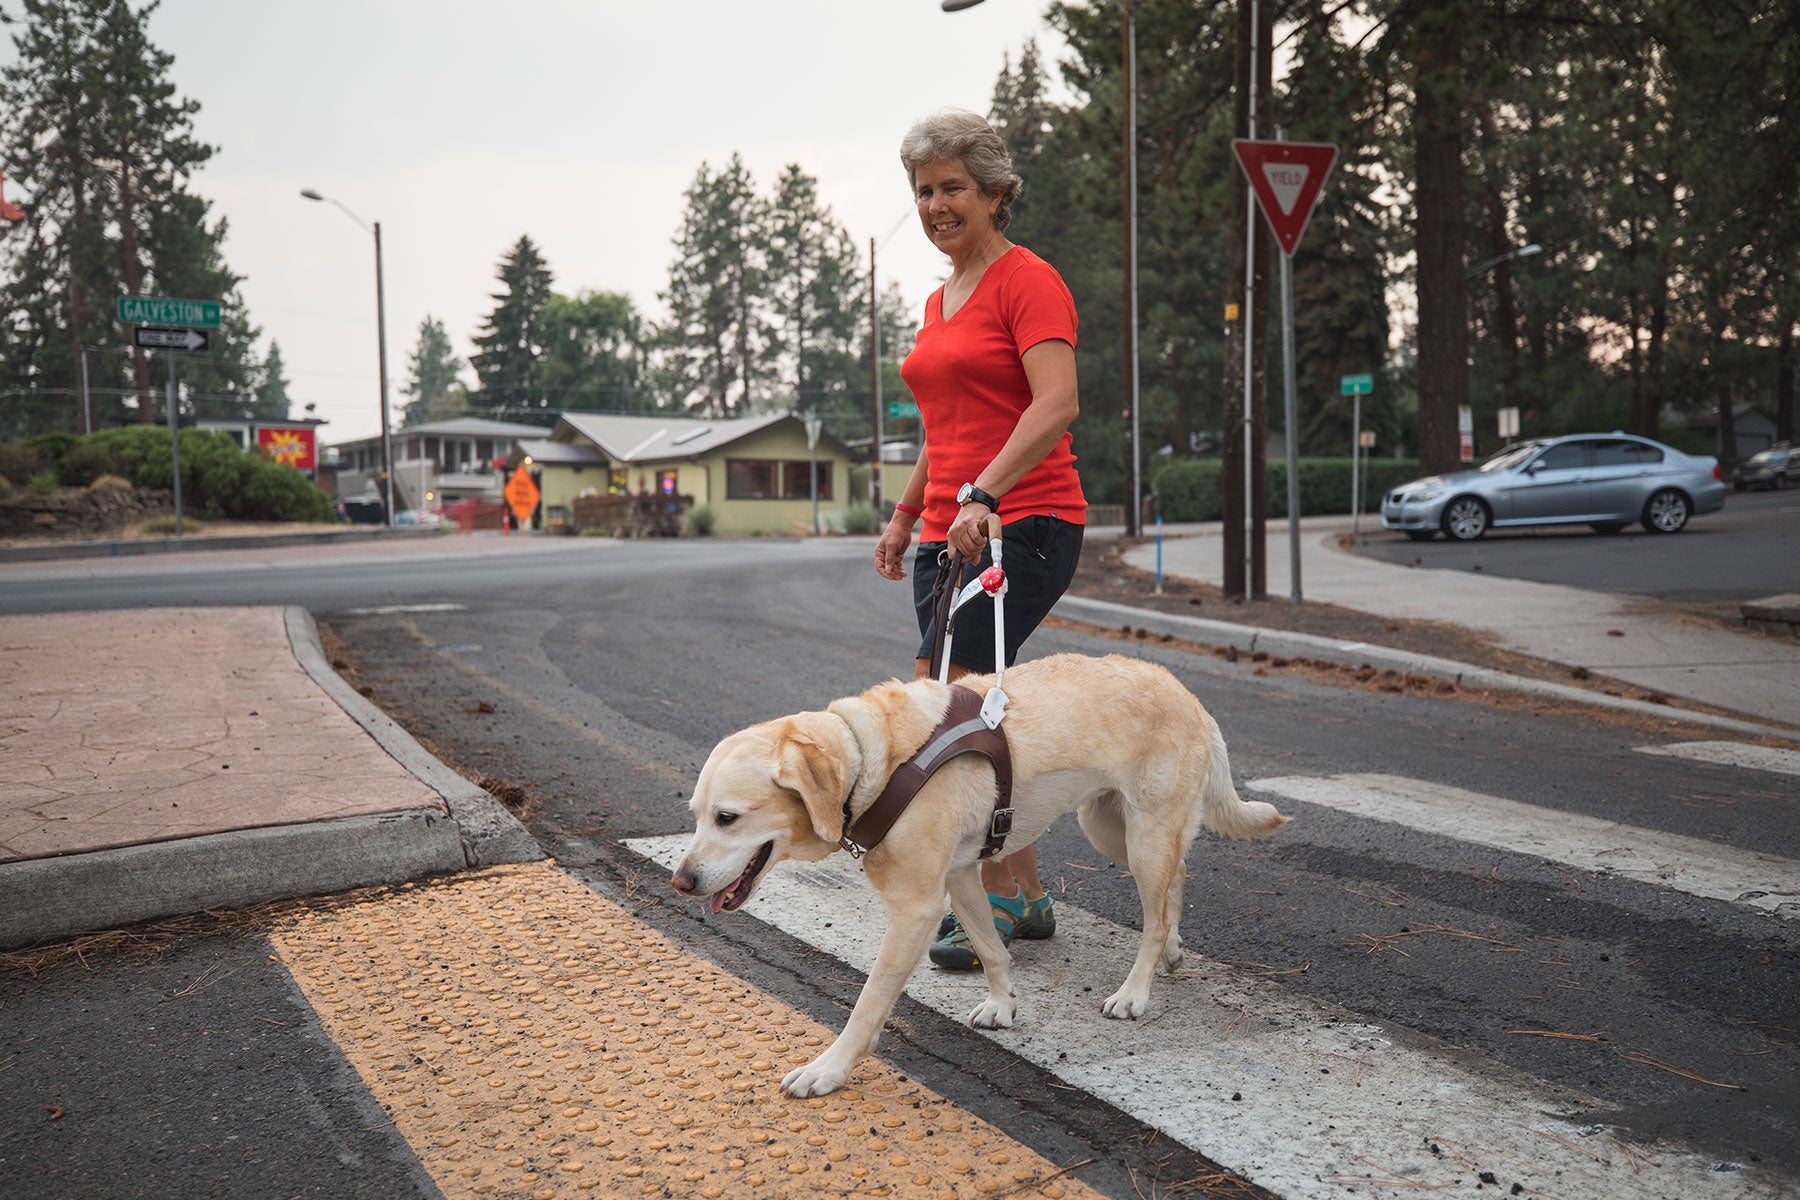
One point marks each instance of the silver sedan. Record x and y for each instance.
(1603, 480)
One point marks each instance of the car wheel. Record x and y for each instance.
(1466, 518)
(1608, 526)
(1421, 535)
(1666, 511)
(1737, 487)
(1780, 483)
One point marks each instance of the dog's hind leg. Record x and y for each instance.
(968, 899)
(912, 919)
(1172, 947)
(1156, 865)
(1102, 818)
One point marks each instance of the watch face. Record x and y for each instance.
(964, 494)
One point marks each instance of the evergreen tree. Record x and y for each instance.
(1022, 113)
(512, 339)
(817, 290)
(432, 373)
(272, 401)
(101, 151)
(715, 344)
(593, 354)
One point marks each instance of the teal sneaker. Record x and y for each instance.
(1014, 917)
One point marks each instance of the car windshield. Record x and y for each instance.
(1511, 457)
(1769, 456)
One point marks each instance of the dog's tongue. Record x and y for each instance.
(718, 898)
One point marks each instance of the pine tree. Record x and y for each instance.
(817, 291)
(272, 401)
(715, 344)
(432, 373)
(512, 339)
(101, 150)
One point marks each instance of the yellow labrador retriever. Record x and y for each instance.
(1118, 739)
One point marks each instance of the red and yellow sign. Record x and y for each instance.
(521, 494)
(292, 445)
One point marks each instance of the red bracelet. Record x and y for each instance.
(909, 510)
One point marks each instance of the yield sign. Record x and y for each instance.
(521, 494)
(1286, 177)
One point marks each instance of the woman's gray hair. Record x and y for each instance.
(954, 133)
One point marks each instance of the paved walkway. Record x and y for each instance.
(1739, 672)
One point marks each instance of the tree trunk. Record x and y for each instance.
(1266, 248)
(1233, 576)
(1443, 294)
(1784, 382)
(1506, 317)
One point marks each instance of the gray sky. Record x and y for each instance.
(460, 126)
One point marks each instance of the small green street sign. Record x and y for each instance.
(902, 408)
(157, 310)
(1358, 385)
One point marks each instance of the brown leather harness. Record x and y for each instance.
(962, 731)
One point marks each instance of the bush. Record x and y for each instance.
(52, 448)
(43, 483)
(702, 520)
(113, 483)
(89, 461)
(18, 463)
(1187, 489)
(862, 518)
(218, 477)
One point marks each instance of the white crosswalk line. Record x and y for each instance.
(1732, 754)
(1230, 1065)
(1766, 882)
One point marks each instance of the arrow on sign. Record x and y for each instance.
(163, 337)
(1286, 177)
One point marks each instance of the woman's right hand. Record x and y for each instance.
(890, 551)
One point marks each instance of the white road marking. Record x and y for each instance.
(389, 609)
(1766, 882)
(1230, 1065)
(1731, 754)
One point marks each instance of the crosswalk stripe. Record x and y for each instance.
(1766, 882)
(1230, 1065)
(1731, 754)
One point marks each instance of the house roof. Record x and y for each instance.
(562, 453)
(467, 427)
(655, 439)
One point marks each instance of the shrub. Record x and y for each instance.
(702, 521)
(52, 448)
(105, 483)
(218, 477)
(862, 518)
(18, 463)
(43, 483)
(1188, 489)
(89, 461)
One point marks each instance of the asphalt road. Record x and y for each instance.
(596, 676)
(1750, 548)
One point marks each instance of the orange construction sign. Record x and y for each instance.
(522, 494)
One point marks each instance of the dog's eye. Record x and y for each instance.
(726, 818)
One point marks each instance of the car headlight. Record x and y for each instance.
(1422, 495)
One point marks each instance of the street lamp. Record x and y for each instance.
(1127, 11)
(1515, 252)
(387, 444)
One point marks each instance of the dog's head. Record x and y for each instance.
(773, 791)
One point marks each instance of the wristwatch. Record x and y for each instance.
(970, 493)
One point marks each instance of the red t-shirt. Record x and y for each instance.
(969, 381)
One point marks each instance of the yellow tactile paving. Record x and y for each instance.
(531, 1038)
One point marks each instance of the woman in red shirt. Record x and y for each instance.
(993, 373)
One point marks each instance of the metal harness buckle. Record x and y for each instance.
(1002, 823)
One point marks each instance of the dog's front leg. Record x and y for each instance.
(911, 923)
(969, 901)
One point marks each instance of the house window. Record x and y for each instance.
(620, 481)
(665, 482)
(772, 479)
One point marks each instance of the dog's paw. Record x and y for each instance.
(1125, 1005)
(816, 1078)
(1172, 955)
(994, 1014)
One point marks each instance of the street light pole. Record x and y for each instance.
(387, 443)
(1128, 17)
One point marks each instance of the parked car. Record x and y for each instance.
(1777, 467)
(420, 516)
(1606, 480)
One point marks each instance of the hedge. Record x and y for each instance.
(1187, 489)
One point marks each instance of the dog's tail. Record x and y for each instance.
(1222, 809)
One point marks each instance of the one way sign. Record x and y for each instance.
(168, 337)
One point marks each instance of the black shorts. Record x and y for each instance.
(1039, 561)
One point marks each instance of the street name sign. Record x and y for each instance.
(159, 310)
(897, 409)
(169, 337)
(1358, 385)
(1286, 177)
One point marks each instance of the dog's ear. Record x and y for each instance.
(814, 768)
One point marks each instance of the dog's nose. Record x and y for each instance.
(683, 881)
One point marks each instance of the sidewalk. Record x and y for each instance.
(1758, 677)
(164, 761)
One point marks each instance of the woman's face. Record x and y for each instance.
(955, 214)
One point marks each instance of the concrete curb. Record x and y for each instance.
(488, 833)
(1251, 638)
(248, 541)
